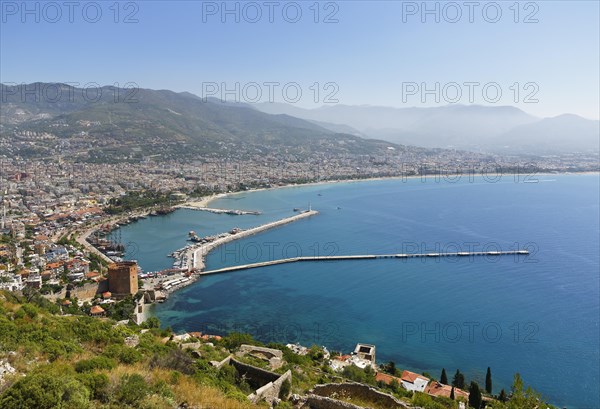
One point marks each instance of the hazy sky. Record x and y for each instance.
(357, 52)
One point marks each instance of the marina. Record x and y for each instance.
(193, 255)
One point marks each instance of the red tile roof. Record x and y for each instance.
(385, 378)
(96, 309)
(439, 389)
(411, 377)
(54, 265)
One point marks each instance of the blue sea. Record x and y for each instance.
(537, 315)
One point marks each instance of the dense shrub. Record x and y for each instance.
(132, 389)
(176, 359)
(234, 340)
(96, 363)
(97, 384)
(124, 354)
(45, 391)
(359, 375)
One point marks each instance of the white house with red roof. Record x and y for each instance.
(414, 382)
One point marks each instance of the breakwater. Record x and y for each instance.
(364, 257)
(233, 212)
(194, 255)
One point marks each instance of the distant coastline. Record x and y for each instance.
(207, 200)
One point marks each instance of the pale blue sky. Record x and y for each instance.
(369, 53)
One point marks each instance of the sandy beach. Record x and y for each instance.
(201, 203)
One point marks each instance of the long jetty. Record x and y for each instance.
(220, 211)
(363, 257)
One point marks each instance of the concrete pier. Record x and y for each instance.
(221, 211)
(363, 257)
(195, 255)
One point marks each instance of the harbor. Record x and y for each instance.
(190, 260)
(193, 256)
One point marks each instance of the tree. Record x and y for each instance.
(452, 393)
(488, 381)
(315, 353)
(474, 395)
(236, 339)
(286, 388)
(517, 386)
(444, 377)
(459, 380)
(30, 293)
(151, 322)
(390, 368)
(502, 397)
(524, 399)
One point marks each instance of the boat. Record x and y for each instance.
(197, 239)
(296, 209)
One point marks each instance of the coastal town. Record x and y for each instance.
(88, 275)
(57, 241)
(56, 216)
(299, 204)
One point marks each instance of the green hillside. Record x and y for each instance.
(169, 124)
(62, 358)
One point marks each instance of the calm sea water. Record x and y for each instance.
(537, 315)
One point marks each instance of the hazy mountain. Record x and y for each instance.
(563, 133)
(473, 127)
(339, 128)
(469, 127)
(163, 122)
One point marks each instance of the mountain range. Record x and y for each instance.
(111, 122)
(495, 129)
(108, 123)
